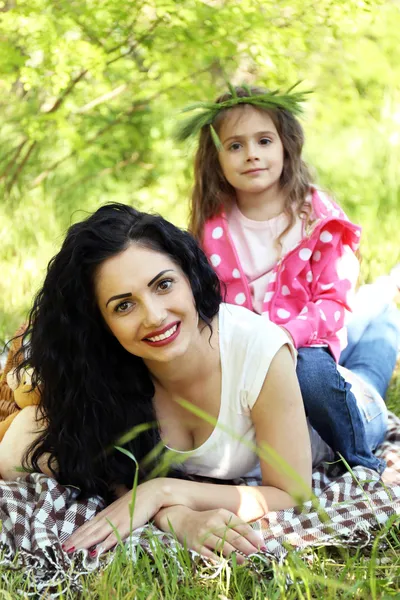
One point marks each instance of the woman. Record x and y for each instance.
(128, 331)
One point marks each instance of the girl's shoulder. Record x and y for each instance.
(324, 206)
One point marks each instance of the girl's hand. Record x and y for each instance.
(117, 517)
(211, 533)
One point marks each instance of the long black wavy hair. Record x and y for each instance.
(92, 390)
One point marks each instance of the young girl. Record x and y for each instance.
(282, 248)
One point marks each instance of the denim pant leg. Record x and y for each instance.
(370, 302)
(332, 408)
(374, 415)
(374, 355)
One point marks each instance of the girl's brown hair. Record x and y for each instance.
(212, 192)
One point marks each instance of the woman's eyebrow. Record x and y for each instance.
(118, 297)
(128, 294)
(157, 276)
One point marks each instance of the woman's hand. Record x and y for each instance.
(211, 533)
(117, 518)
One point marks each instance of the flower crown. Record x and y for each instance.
(207, 111)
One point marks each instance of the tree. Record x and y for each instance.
(90, 92)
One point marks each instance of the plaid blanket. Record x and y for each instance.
(38, 515)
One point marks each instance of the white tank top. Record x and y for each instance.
(248, 343)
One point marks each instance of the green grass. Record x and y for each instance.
(328, 573)
(320, 573)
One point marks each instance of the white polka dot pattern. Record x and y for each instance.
(282, 313)
(305, 253)
(323, 315)
(326, 237)
(268, 296)
(285, 290)
(327, 286)
(336, 316)
(215, 260)
(217, 233)
(309, 277)
(240, 298)
(236, 274)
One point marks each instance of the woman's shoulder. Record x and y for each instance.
(240, 325)
(248, 344)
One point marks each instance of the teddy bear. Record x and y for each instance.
(15, 395)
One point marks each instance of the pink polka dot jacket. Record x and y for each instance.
(311, 286)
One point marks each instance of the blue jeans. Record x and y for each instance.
(372, 348)
(350, 427)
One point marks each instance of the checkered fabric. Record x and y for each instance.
(38, 514)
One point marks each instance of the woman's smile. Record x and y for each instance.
(165, 336)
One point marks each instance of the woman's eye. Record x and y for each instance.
(164, 285)
(123, 307)
(234, 146)
(265, 141)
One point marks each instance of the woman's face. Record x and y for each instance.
(147, 303)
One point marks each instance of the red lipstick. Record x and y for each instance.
(167, 340)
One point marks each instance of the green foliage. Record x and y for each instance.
(90, 93)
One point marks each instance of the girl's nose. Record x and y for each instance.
(252, 152)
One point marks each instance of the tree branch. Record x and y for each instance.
(120, 165)
(66, 92)
(21, 166)
(134, 107)
(44, 174)
(109, 96)
(129, 27)
(135, 43)
(16, 152)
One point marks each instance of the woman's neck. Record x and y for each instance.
(192, 367)
(261, 206)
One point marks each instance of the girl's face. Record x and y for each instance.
(252, 154)
(147, 303)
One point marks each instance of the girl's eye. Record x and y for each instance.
(265, 141)
(164, 285)
(123, 306)
(234, 146)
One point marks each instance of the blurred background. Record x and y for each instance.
(90, 92)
